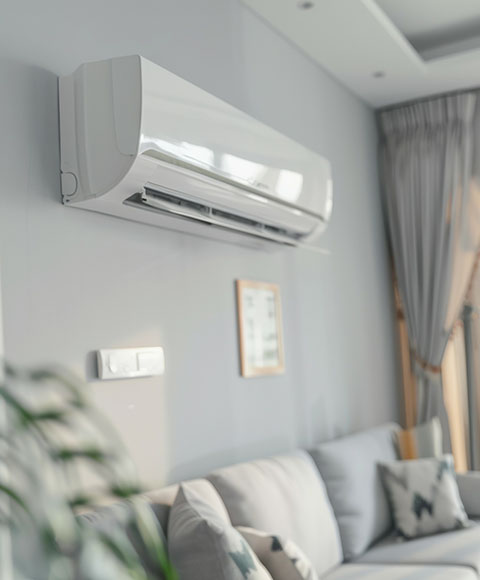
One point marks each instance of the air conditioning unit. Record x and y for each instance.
(140, 143)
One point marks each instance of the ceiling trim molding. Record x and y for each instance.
(366, 51)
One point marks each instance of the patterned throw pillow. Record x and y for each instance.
(282, 558)
(203, 545)
(424, 496)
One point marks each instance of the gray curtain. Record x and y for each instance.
(428, 158)
(471, 318)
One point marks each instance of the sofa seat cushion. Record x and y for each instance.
(284, 496)
(457, 548)
(399, 572)
(349, 468)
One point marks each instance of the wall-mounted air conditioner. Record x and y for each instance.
(140, 143)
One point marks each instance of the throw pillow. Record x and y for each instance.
(203, 544)
(282, 558)
(425, 440)
(424, 496)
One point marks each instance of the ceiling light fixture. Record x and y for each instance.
(305, 4)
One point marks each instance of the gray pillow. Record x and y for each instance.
(203, 544)
(424, 496)
(349, 468)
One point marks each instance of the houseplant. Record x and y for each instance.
(59, 455)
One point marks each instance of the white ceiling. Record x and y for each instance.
(385, 51)
(436, 28)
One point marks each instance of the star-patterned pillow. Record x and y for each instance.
(424, 496)
(282, 558)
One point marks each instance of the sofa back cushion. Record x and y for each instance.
(285, 496)
(162, 500)
(425, 440)
(349, 467)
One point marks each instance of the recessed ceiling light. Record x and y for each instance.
(379, 74)
(305, 4)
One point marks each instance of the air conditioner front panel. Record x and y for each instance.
(202, 132)
(203, 190)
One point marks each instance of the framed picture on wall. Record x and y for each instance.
(260, 329)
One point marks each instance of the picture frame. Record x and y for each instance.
(260, 329)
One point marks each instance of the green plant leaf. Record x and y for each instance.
(69, 383)
(64, 462)
(50, 415)
(15, 404)
(124, 491)
(91, 453)
(14, 496)
(79, 501)
(124, 556)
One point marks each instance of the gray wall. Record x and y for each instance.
(76, 281)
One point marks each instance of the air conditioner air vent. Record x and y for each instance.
(171, 203)
(175, 200)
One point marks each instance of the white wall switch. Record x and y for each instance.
(127, 363)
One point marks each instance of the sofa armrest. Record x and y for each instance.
(469, 488)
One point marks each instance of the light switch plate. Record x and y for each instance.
(127, 363)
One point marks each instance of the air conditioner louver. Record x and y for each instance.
(171, 204)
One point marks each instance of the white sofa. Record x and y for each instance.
(330, 501)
